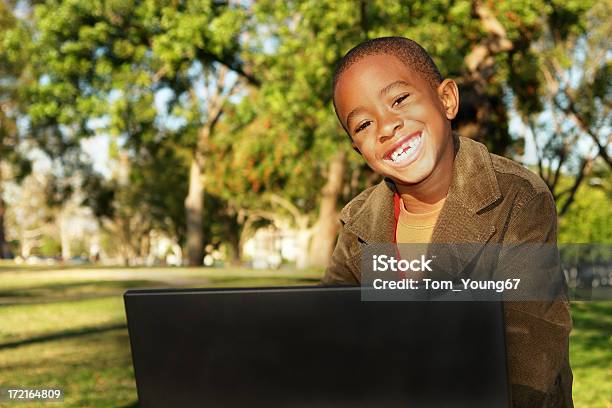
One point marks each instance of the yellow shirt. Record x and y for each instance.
(417, 228)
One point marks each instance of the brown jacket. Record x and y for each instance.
(491, 200)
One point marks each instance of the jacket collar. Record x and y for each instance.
(473, 188)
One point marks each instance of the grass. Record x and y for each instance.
(65, 327)
(591, 354)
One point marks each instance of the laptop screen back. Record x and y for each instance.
(313, 347)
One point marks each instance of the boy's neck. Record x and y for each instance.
(416, 206)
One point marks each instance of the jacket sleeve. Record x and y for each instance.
(340, 269)
(537, 332)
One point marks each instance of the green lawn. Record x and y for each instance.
(66, 328)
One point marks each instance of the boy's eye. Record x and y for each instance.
(400, 99)
(362, 126)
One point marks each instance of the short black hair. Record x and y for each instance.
(406, 50)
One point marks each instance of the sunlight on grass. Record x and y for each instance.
(63, 327)
(24, 278)
(591, 354)
(93, 370)
(22, 321)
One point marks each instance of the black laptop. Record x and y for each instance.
(313, 347)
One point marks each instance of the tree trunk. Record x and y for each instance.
(5, 252)
(326, 227)
(232, 233)
(194, 206)
(64, 236)
(304, 235)
(194, 202)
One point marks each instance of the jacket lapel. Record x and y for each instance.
(473, 188)
(374, 222)
(457, 239)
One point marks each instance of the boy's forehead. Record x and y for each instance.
(370, 76)
(372, 67)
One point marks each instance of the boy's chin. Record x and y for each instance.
(410, 176)
(408, 181)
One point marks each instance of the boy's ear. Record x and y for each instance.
(449, 95)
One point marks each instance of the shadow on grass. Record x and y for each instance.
(100, 288)
(12, 267)
(72, 291)
(261, 282)
(31, 290)
(63, 335)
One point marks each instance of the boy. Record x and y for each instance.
(441, 188)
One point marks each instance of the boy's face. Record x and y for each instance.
(397, 121)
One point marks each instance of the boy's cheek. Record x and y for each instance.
(372, 163)
(366, 148)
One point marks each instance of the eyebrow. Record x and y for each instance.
(392, 85)
(353, 113)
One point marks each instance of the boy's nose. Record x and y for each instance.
(390, 128)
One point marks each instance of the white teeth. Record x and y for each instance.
(402, 152)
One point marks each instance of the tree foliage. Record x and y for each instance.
(242, 91)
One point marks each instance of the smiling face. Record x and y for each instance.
(397, 121)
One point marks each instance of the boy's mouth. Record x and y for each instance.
(404, 151)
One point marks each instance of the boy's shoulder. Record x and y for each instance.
(510, 172)
(520, 185)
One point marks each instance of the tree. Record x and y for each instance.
(13, 74)
(588, 219)
(573, 70)
(283, 143)
(29, 218)
(172, 83)
(110, 59)
(142, 196)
